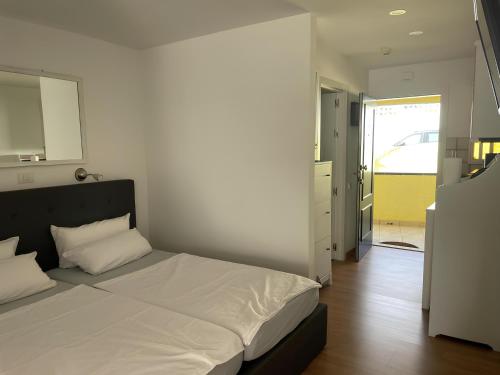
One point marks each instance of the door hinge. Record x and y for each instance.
(337, 102)
(336, 133)
(334, 247)
(335, 191)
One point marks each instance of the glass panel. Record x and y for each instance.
(407, 138)
(432, 137)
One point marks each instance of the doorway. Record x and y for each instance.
(331, 149)
(406, 143)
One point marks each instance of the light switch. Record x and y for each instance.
(25, 178)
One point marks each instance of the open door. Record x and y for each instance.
(365, 177)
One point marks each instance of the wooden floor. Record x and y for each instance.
(376, 325)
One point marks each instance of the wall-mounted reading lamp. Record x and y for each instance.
(81, 174)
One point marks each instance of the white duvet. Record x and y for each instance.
(235, 296)
(89, 331)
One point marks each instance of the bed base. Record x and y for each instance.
(293, 354)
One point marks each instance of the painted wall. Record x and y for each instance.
(113, 103)
(230, 144)
(453, 79)
(331, 64)
(403, 198)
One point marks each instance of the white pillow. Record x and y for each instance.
(20, 276)
(68, 238)
(111, 252)
(8, 247)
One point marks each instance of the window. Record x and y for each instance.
(413, 139)
(432, 137)
(407, 137)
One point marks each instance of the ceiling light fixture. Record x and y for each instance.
(397, 12)
(416, 33)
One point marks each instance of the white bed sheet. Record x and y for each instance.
(238, 297)
(88, 331)
(60, 287)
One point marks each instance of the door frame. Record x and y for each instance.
(443, 94)
(340, 163)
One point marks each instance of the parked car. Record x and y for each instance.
(416, 153)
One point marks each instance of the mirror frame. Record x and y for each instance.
(83, 133)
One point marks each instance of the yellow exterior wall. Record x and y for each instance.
(403, 198)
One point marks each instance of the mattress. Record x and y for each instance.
(85, 330)
(268, 334)
(280, 325)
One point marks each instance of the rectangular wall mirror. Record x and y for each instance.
(41, 119)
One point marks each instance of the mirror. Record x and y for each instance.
(41, 121)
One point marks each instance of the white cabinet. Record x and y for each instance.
(485, 119)
(465, 283)
(323, 221)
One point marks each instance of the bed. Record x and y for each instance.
(81, 330)
(215, 294)
(30, 212)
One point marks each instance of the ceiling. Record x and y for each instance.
(355, 28)
(146, 23)
(360, 28)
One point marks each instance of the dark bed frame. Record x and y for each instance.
(29, 214)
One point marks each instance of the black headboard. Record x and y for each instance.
(29, 213)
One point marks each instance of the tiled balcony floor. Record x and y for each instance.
(410, 234)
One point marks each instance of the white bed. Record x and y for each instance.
(260, 305)
(83, 330)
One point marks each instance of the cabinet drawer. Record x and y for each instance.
(322, 208)
(323, 258)
(322, 169)
(322, 189)
(323, 226)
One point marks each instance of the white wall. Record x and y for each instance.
(453, 79)
(335, 66)
(230, 144)
(113, 103)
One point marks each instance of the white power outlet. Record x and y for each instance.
(25, 178)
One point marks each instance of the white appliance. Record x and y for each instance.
(465, 290)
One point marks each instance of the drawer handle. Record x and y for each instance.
(327, 175)
(327, 249)
(327, 213)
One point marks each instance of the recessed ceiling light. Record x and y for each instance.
(416, 33)
(397, 12)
